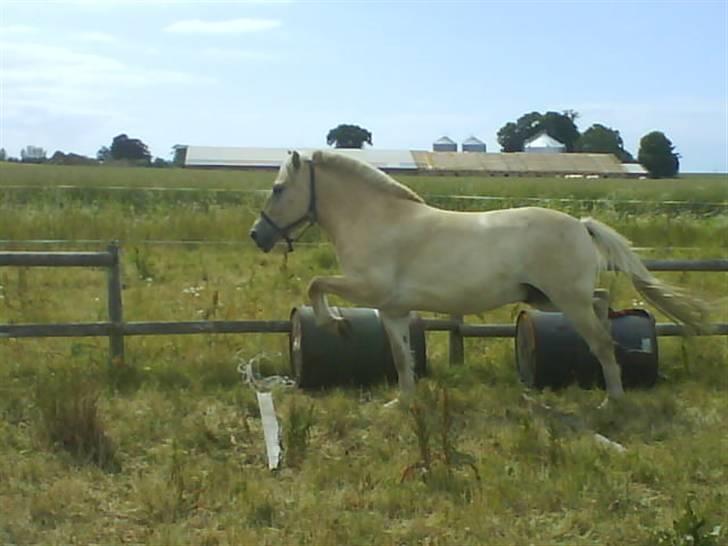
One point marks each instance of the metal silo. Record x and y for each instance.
(444, 144)
(473, 145)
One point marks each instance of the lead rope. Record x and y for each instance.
(251, 377)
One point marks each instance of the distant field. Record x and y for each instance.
(708, 187)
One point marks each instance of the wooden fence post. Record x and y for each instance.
(116, 313)
(457, 343)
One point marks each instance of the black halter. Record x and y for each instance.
(309, 217)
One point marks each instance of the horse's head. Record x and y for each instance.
(291, 203)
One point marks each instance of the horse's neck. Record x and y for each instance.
(353, 207)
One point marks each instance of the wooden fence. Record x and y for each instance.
(116, 328)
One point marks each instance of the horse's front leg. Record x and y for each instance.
(348, 288)
(397, 327)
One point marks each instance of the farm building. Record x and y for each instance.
(525, 164)
(444, 144)
(271, 158)
(424, 162)
(543, 143)
(473, 144)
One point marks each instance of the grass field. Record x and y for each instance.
(168, 448)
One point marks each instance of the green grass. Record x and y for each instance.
(168, 449)
(705, 187)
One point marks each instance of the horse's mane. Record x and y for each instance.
(370, 174)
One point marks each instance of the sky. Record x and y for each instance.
(74, 74)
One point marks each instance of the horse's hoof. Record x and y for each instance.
(612, 402)
(343, 327)
(338, 327)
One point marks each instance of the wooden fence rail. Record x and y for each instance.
(116, 329)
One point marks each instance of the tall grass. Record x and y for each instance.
(68, 404)
(468, 464)
(706, 188)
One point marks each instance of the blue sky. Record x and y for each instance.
(74, 74)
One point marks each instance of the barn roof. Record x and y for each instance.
(542, 140)
(444, 140)
(519, 163)
(216, 156)
(522, 163)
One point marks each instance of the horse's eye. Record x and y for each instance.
(278, 189)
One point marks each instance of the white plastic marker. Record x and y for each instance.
(270, 429)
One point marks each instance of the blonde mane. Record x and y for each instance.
(371, 175)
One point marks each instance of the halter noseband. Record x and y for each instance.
(309, 217)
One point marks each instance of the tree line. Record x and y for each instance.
(122, 150)
(656, 153)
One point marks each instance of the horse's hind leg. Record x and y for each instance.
(397, 329)
(585, 321)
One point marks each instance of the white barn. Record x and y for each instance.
(272, 158)
(542, 143)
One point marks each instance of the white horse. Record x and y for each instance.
(399, 255)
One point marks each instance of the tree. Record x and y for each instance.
(561, 127)
(509, 138)
(599, 139)
(123, 147)
(104, 154)
(32, 154)
(512, 136)
(179, 155)
(348, 136)
(657, 155)
(3, 154)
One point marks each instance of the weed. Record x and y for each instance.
(144, 264)
(422, 433)
(124, 378)
(324, 258)
(297, 432)
(262, 513)
(432, 417)
(69, 418)
(690, 529)
(169, 495)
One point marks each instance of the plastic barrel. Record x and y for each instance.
(321, 359)
(549, 352)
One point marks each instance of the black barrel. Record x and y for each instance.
(549, 352)
(362, 357)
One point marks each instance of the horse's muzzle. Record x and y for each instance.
(264, 235)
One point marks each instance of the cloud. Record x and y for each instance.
(233, 55)
(63, 80)
(97, 37)
(27, 63)
(230, 26)
(16, 29)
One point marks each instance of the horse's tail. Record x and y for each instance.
(672, 301)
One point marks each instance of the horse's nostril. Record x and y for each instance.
(254, 235)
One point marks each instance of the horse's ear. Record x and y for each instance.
(296, 159)
(317, 157)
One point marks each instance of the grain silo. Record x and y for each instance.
(473, 145)
(444, 144)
